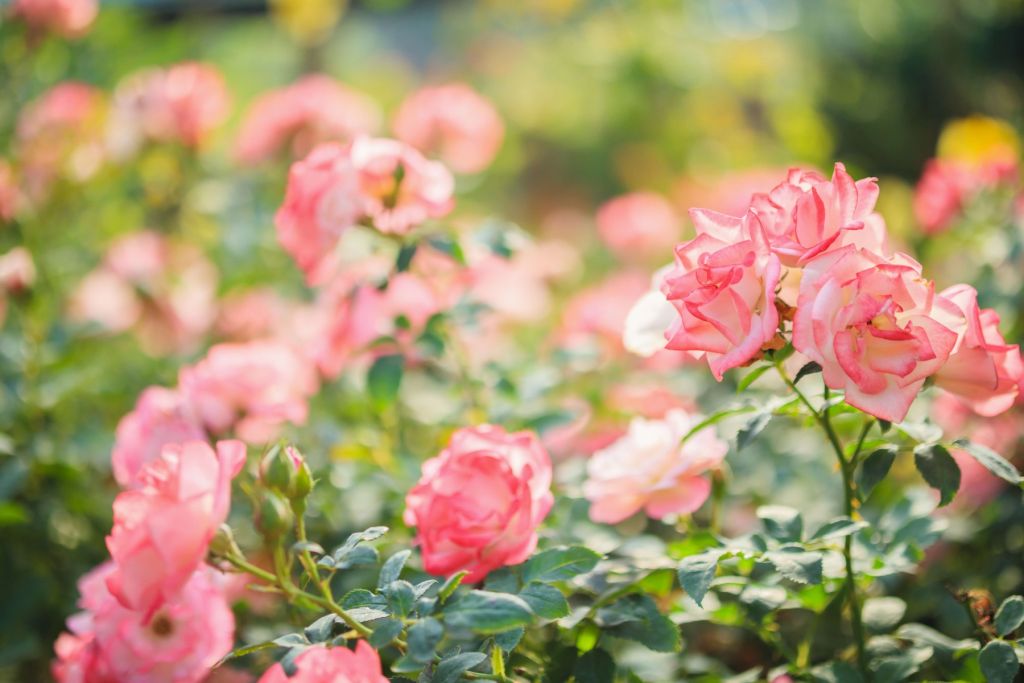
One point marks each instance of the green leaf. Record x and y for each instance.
(796, 565)
(926, 635)
(874, 468)
(939, 469)
(450, 669)
(545, 600)
(424, 637)
(559, 564)
(1010, 615)
(595, 666)
(290, 640)
(840, 527)
(451, 585)
(882, 615)
(895, 668)
(448, 245)
(808, 369)
(782, 523)
(697, 571)
(321, 630)
(243, 651)
(636, 617)
(998, 662)
(384, 379)
(401, 596)
(392, 569)
(405, 255)
(990, 460)
(715, 418)
(752, 429)
(384, 632)
(752, 377)
(487, 612)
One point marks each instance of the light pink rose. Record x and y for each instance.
(179, 643)
(478, 504)
(17, 270)
(313, 110)
(163, 528)
(639, 224)
(181, 104)
(947, 185)
(319, 664)
(454, 122)
(255, 313)
(160, 418)
(875, 326)
(727, 193)
(249, 388)
(723, 287)
(648, 470)
(599, 311)
(68, 18)
(983, 370)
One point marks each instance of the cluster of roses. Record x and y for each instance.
(67, 18)
(809, 262)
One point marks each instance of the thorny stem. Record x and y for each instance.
(846, 468)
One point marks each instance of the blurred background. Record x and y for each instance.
(700, 101)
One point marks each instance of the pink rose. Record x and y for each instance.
(599, 312)
(983, 370)
(478, 504)
(319, 664)
(250, 388)
(162, 529)
(160, 418)
(875, 326)
(723, 288)
(17, 270)
(638, 224)
(68, 18)
(179, 643)
(648, 469)
(313, 110)
(454, 122)
(946, 185)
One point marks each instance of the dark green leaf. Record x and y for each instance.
(750, 431)
(926, 635)
(874, 468)
(401, 596)
(424, 637)
(450, 669)
(990, 460)
(1010, 615)
(895, 668)
(782, 523)
(939, 469)
(998, 662)
(405, 255)
(508, 640)
(752, 377)
(840, 527)
(392, 569)
(291, 640)
(559, 564)
(384, 379)
(636, 617)
(321, 630)
(595, 666)
(449, 246)
(487, 612)
(384, 632)
(361, 555)
(545, 600)
(802, 567)
(884, 426)
(697, 571)
(808, 369)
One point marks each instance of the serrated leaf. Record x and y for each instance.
(384, 379)
(882, 615)
(545, 600)
(802, 567)
(321, 630)
(487, 612)
(636, 617)
(841, 527)
(926, 635)
(392, 568)
(696, 573)
(594, 666)
(451, 585)
(361, 555)
(752, 429)
(1010, 615)
(782, 523)
(874, 468)
(424, 637)
(752, 377)
(939, 469)
(450, 669)
(384, 632)
(364, 614)
(291, 640)
(808, 369)
(508, 640)
(559, 564)
(401, 596)
(990, 460)
(998, 662)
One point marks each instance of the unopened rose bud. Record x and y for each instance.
(286, 472)
(275, 516)
(223, 543)
(302, 481)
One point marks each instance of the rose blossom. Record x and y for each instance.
(160, 418)
(162, 529)
(648, 469)
(180, 643)
(875, 326)
(313, 110)
(478, 504)
(983, 370)
(723, 287)
(453, 121)
(250, 388)
(947, 185)
(319, 664)
(68, 18)
(638, 224)
(17, 270)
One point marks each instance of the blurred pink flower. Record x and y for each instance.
(256, 313)
(639, 224)
(179, 643)
(17, 270)
(250, 389)
(182, 104)
(453, 122)
(947, 185)
(298, 117)
(10, 193)
(648, 469)
(875, 326)
(163, 528)
(723, 287)
(727, 193)
(478, 504)
(68, 18)
(160, 418)
(599, 312)
(319, 664)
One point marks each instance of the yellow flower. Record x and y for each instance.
(308, 21)
(979, 140)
